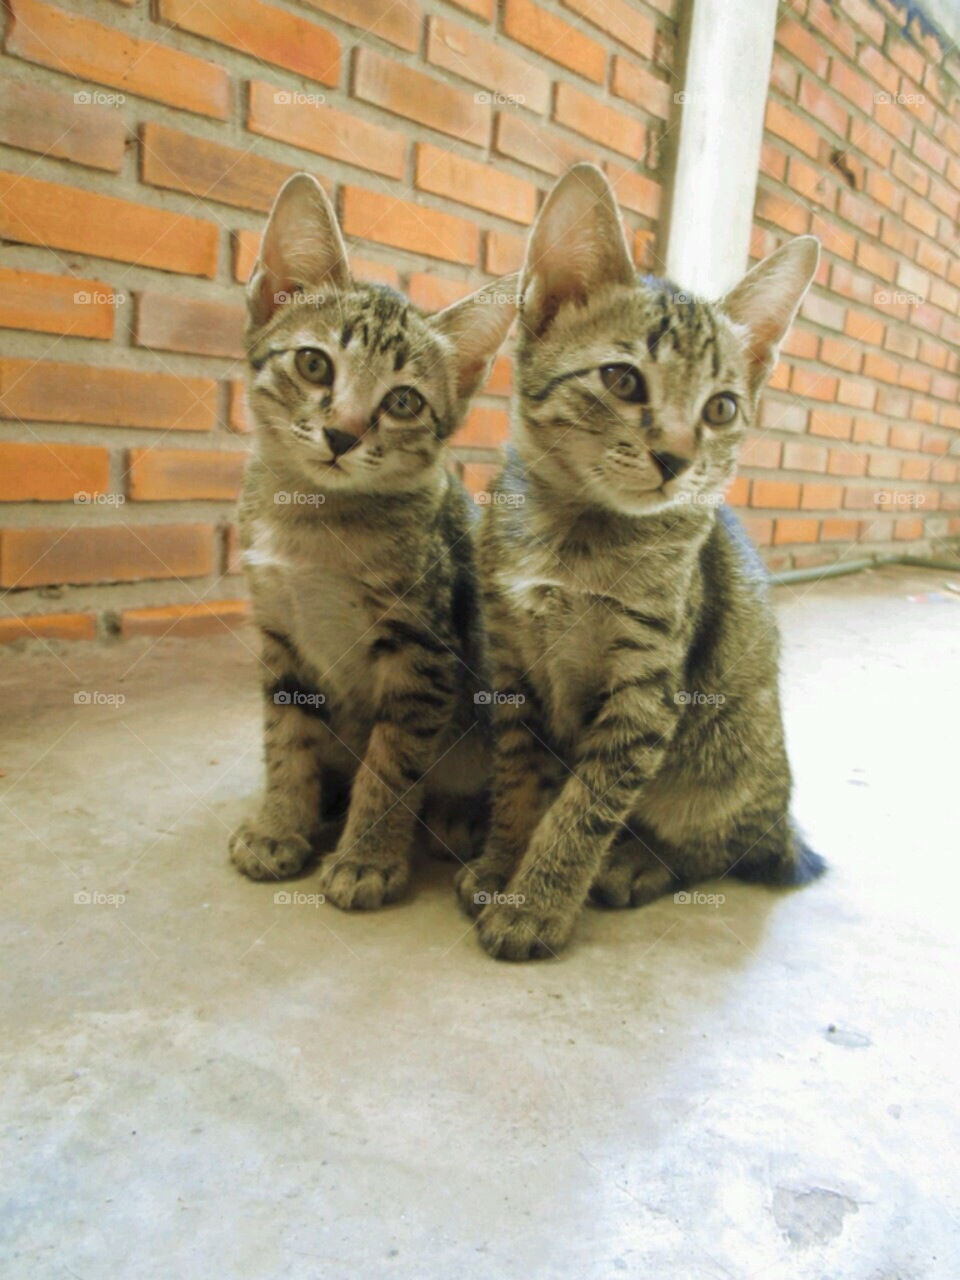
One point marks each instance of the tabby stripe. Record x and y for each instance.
(645, 619)
(414, 635)
(640, 682)
(541, 395)
(611, 754)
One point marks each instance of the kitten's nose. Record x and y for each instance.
(670, 465)
(339, 441)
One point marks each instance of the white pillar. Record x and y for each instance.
(729, 50)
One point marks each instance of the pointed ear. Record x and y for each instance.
(301, 248)
(577, 245)
(476, 327)
(766, 301)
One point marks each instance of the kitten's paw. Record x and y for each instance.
(262, 856)
(511, 932)
(353, 883)
(477, 883)
(612, 887)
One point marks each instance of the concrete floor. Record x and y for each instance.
(199, 1083)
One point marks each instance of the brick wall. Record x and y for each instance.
(859, 445)
(141, 145)
(131, 213)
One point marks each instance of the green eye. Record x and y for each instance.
(625, 382)
(720, 409)
(314, 366)
(403, 403)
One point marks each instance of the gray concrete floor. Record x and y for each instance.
(199, 1083)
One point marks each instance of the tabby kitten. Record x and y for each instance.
(358, 557)
(639, 743)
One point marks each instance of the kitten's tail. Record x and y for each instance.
(798, 865)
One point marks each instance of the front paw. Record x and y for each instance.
(477, 884)
(354, 883)
(514, 931)
(263, 856)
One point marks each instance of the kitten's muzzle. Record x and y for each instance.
(340, 442)
(670, 465)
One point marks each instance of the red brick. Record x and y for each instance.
(584, 114)
(891, 117)
(800, 456)
(109, 553)
(860, 212)
(866, 431)
(483, 429)
(238, 411)
(323, 129)
(814, 384)
(783, 75)
(477, 477)
(443, 173)
(821, 497)
(738, 491)
(823, 107)
(794, 529)
(79, 47)
(368, 215)
(431, 292)
(524, 140)
(48, 626)
(66, 305)
(501, 377)
(159, 475)
(760, 451)
(54, 124)
(504, 253)
(837, 426)
(209, 617)
(51, 472)
(483, 9)
(620, 20)
(836, 530)
(635, 84)
(397, 21)
(58, 217)
(859, 395)
(907, 58)
(903, 436)
(209, 170)
(908, 527)
(772, 162)
(801, 343)
(824, 311)
(788, 125)
(876, 65)
(867, 18)
(883, 466)
(775, 493)
(464, 53)
(555, 39)
(880, 367)
(48, 391)
(805, 47)
(931, 153)
(634, 191)
(863, 327)
(879, 187)
(265, 32)
(876, 262)
(905, 171)
(171, 323)
(788, 214)
(834, 238)
(758, 529)
(415, 96)
(838, 32)
(844, 463)
(852, 87)
(840, 353)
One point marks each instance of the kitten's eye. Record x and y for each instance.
(625, 382)
(314, 365)
(720, 409)
(403, 402)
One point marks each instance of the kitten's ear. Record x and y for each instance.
(766, 300)
(301, 248)
(477, 326)
(577, 245)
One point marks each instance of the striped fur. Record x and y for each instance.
(360, 565)
(638, 738)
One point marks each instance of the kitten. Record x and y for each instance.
(358, 556)
(639, 743)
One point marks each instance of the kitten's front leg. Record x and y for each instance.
(371, 864)
(278, 841)
(622, 749)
